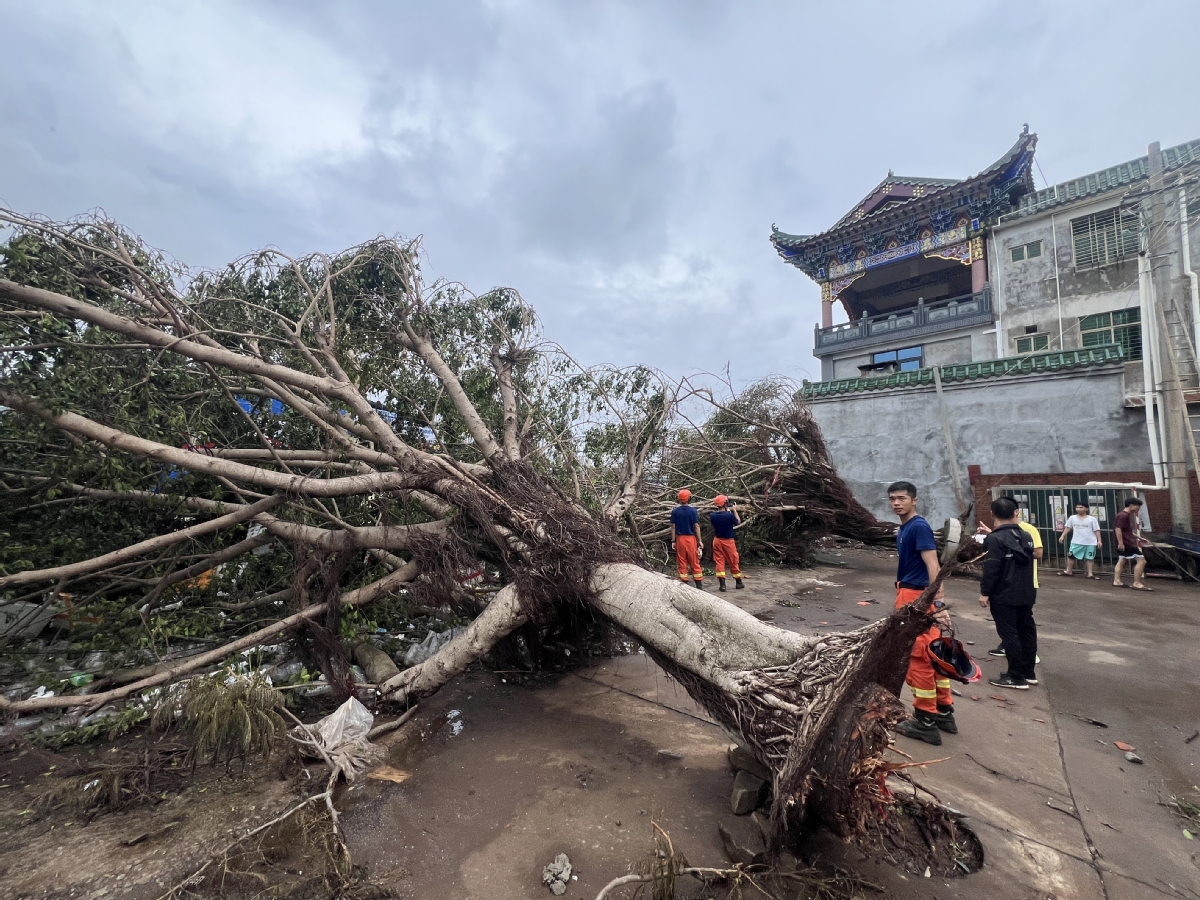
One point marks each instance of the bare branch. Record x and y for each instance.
(147, 546)
(291, 484)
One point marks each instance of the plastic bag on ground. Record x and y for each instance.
(343, 736)
(434, 641)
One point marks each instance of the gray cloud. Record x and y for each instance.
(618, 163)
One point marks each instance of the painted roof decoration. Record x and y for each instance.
(899, 208)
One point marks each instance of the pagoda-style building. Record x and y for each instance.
(1007, 341)
(908, 261)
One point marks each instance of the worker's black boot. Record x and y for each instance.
(737, 582)
(721, 582)
(921, 727)
(700, 583)
(945, 719)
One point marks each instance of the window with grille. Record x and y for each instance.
(1104, 237)
(1123, 326)
(1026, 251)
(1033, 343)
(908, 358)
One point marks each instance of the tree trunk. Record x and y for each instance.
(815, 710)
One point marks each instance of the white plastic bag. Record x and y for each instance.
(434, 641)
(349, 722)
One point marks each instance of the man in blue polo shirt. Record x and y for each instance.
(917, 566)
(686, 540)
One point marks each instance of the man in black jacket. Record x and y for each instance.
(1007, 587)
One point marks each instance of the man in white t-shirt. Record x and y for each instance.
(1084, 531)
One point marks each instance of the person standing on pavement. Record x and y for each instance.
(723, 520)
(1127, 528)
(1007, 588)
(1084, 531)
(1038, 551)
(916, 568)
(686, 540)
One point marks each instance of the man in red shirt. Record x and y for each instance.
(1126, 527)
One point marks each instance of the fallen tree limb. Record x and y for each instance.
(172, 671)
(157, 543)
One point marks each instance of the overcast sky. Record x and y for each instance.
(619, 164)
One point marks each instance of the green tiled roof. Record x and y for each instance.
(1055, 361)
(1105, 180)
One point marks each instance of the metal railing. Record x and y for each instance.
(924, 318)
(1046, 507)
(1048, 362)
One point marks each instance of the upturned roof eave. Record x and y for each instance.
(884, 217)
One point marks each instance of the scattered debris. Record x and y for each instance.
(557, 875)
(1090, 721)
(340, 738)
(1191, 737)
(389, 773)
(1121, 745)
(976, 697)
(150, 835)
(1069, 810)
(1133, 757)
(434, 641)
(669, 754)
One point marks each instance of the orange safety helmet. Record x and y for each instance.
(720, 500)
(685, 495)
(949, 659)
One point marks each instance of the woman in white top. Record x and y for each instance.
(1084, 530)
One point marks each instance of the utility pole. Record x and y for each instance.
(1164, 252)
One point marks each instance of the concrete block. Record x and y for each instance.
(743, 760)
(748, 792)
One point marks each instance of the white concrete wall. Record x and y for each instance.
(1072, 422)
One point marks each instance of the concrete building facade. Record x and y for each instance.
(1000, 336)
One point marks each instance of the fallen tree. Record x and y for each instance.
(389, 435)
(761, 448)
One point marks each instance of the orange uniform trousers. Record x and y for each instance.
(725, 551)
(687, 557)
(928, 690)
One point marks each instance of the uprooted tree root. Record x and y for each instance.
(666, 867)
(923, 836)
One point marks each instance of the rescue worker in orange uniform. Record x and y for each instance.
(686, 540)
(917, 567)
(723, 520)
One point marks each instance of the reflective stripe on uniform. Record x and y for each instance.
(943, 683)
(720, 574)
(922, 693)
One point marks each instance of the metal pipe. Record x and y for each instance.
(998, 304)
(1187, 269)
(1057, 283)
(1149, 386)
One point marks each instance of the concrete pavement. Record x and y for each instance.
(574, 767)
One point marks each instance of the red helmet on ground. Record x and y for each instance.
(720, 499)
(685, 495)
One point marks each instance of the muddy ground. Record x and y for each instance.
(497, 777)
